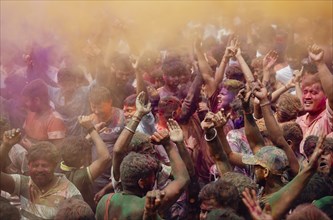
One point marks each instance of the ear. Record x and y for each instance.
(290, 142)
(141, 183)
(266, 173)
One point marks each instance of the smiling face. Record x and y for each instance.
(41, 172)
(313, 98)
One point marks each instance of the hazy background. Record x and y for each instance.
(69, 25)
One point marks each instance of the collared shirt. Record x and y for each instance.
(322, 124)
(36, 204)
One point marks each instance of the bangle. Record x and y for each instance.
(210, 139)
(266, 103)
(91, 129)
(129, 129)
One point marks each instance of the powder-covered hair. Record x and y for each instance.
(134, 167)
(99, 94)
(73, 149)
(43, 150)
(37, 89)
(74, 209)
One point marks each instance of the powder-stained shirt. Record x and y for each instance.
(36, 204)
(322, 124)
(109, 135)
(47, 126)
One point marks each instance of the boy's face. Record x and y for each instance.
(102, 110)
(129, 112)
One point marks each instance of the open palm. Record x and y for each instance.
(176, 133)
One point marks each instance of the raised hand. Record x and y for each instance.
(176, 133)
(141, 107)
(269, 59)
(245, 97)
(252, 204)
(220, 118)
(260, 92)
(153, 202)
(11, 137)
(297, 75)
(86, 122)
(160, 137)
(316, 53)
(208, 122)
(231, 50)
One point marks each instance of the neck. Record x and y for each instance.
(135, 192)
(46, 188)
(43, 109)
(273, 185)
(313, 115)
(171, 89)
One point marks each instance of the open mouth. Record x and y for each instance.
(323, 165)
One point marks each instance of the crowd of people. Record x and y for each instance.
(236, 127)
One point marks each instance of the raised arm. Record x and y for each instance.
(181, 178)
(215, 143)
(205, 70)
(281, 201)
(189, 105)
(274, 130)
(177, 136)
(98, 166)
(245, 68)
(326, 78)
(10, 138)
(267, 64)
(121, 146)
(253, 135)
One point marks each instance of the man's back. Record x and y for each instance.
(121, 206)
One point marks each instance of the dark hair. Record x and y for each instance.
(223, 214)
(293, 131)
(134, 167)
(121, 63)
(168, 105)
(225, 194)
(130, 100)
(173, 67)
(99, 94)
(66, 74)
(8, 211)
(74, 209)
(320, 185)
(307, 212)
(240, 181)
(309, 145)
(37, 89)
(43, 150)
(140, 143)
(208, 192)
(73, 149)
(234, 72)
(311, 142)
(288, 107)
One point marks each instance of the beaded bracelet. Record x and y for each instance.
(210, 139)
